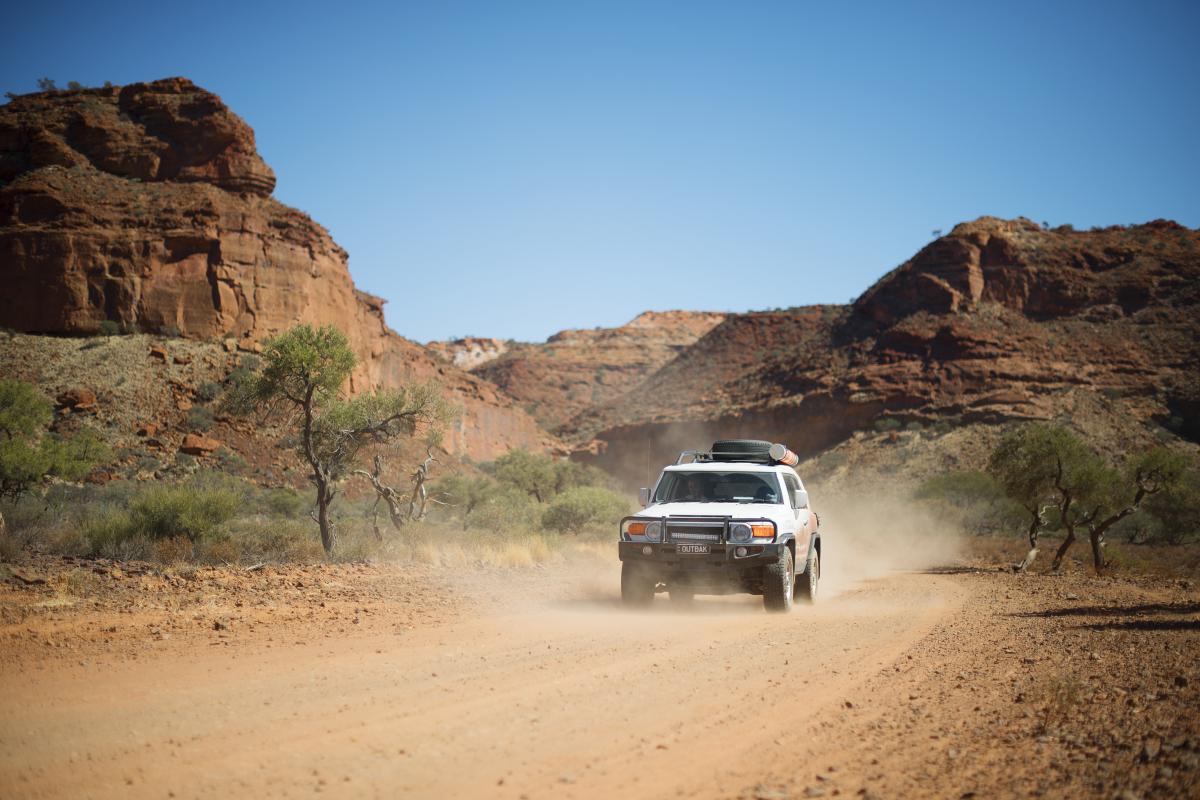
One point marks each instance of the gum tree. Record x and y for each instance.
(1047, 467)
(1024, 463)
(303, 373)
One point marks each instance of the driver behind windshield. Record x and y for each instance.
(692, 490)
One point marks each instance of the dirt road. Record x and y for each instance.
(912, 683)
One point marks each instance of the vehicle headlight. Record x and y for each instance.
(653, 531)
(739, 532)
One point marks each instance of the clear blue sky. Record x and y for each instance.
(511, 169)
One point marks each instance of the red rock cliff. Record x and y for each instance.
(148, 205)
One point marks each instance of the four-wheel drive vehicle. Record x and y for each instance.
(732, 519)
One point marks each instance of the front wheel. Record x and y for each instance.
(637, 585)
(806, 584)
(778, 582)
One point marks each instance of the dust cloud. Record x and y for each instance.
(868, 534)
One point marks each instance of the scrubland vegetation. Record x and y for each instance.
(1044, 479)
(216, 519)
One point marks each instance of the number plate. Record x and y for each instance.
(693, 549)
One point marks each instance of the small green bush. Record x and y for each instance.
(109, 328)
(885, 424)
(200, 418)
(285, 501)
(192, 510)
(171, 331)
(582, 507)
(504, 508)
(209, 391)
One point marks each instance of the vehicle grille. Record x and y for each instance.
(695, 533)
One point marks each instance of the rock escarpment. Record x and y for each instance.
(148, 206)
(999, 320)
(577, 370)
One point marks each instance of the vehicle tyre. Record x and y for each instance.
(637, 584)
(806, 583)
(779, 581)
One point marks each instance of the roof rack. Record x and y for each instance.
(775, 454)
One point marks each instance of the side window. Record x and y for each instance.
(792, 485)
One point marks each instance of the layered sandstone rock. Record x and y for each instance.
(576, 370)
(148, 206)
(999, 320)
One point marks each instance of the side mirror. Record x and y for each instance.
(801, 499)
(644, 496)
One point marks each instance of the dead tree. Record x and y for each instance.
(1035, 529)
(418, 502)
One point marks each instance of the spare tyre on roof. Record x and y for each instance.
(751, 450)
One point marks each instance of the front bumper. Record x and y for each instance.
(723, 557)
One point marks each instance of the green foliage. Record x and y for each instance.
(305, 363)
(200, 418)
(1174, 512)
(1025, 462)
(286, 502)
(463, 493)
(529, 472)
(305, 368)
(171, 331)
(886, 424)
(28, 453)
(109, 328)
(46, 85)
(583, 506)
(191, 510)
(503, 508)
(209, 390)
(344, 427)
(571, 474)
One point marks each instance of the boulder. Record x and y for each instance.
(197, 445)
(77, 399)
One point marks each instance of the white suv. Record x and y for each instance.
(735, 518)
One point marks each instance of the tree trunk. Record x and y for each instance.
(324, 497)
(1062, 550)
(1097, 537)
(1035, 530)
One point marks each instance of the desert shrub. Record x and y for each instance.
(259, 539)
(914, 426)
(284, 501)
(462, 494)
(191, 510)
(109, 328)
(209, 390)
(570, 474)
(200, 418)
(29, 454)
(231, 460)
(532, 473)
(237, 376)
(886, 424)
(171, 331)
(582, 507)
(503, 508)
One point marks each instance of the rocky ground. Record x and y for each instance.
(961, 681)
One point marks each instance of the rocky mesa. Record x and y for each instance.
(149, 206)
(998, 320)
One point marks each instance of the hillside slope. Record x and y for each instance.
(576, 370)
(149, 206)
(999, 320)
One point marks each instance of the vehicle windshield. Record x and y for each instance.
(718, 487)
